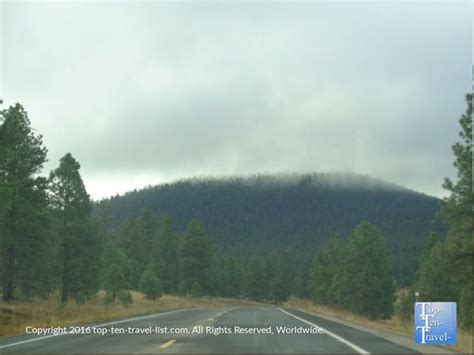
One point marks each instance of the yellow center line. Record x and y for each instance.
(167, 344)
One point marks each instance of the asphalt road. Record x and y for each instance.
(242, 325)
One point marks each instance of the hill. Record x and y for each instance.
(296, 213)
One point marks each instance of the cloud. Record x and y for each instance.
(148, 92)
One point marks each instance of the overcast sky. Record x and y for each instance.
(146, 92)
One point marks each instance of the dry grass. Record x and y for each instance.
(14, 317)
(393, 325)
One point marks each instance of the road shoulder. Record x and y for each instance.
(399, 339)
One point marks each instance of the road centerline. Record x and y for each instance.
(167, 344)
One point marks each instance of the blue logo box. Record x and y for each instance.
(435, 323)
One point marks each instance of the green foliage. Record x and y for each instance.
(357, 276)
(328, 278)
(182, 288)
(301, 284)
(195, 256)
(457, 213)
(280, 277)
(256, 283)
(279, 288)
(150, 284)
(166, 255)
(228, 277)
(78, 239)
(116, 270)
(108, 299)
(80, 299)
(434, 278)
(196, 290)
(372, 283)
(262, 214)
(25, 251)
(125, 298)
(131, 241)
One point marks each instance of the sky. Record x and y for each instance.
(147, 92)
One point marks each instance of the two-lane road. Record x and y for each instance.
(249, 329)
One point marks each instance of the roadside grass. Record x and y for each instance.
(393, 325)
(16, 316)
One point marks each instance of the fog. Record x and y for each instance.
(150, 92)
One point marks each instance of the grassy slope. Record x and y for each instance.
(394, 324)
(14, 317)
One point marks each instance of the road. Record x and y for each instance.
(329, 337)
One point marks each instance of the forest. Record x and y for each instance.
(294, 213)
(341, 240)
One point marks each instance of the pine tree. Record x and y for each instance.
(372, 284)
(166, 251)
(195, 255)
(228, 277)
(150, 284)
(79, 243)
(196, 290)
(327, 283)
(434, 278)
(131, 241)
(457, 213)
(256, 281)
(25, 245)
(116, 270)
(301, 286)
(147, 226)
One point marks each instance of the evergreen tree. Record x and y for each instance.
(116, 271)
(25, 247)
(195, 255)
(279, 277)
(166, 250)
(79, 243)
(434, 278)
(371, 284)
(131, 242)
(196, 290)
(328, 277)
(255, 280)
(301, 287)
(228, 277)
(150, 284)
(457, 213)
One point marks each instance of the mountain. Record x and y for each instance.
(297, 213)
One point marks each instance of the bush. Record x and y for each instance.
(108, 299)
(196, 290)
(182, 289)
(80, 299)
(125, 298)
(150, 285)
(405, 304)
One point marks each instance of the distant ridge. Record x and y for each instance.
(296, 212)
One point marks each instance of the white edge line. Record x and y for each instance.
(331, 334)
(96, 326)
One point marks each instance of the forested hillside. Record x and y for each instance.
(292, 213)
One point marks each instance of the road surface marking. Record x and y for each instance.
(96, 325)
(331, 334)
(211, 319)
(167, 344)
